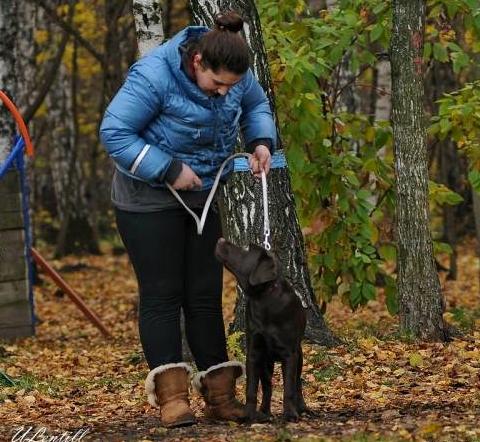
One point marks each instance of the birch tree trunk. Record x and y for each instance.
(148, 24)
(76, 230)
(242, 210)
(420, 298)
(16, 307)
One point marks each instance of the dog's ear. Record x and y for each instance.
(265, 270)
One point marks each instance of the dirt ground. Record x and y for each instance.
(377, 386)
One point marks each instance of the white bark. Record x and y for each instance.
(61, 141)
(8, 32)
(148, 24)
(25, 54)
(384, 86)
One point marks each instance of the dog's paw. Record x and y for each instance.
(256, 417)
(266, 412)
(290, 416)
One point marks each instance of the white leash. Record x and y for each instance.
(201, 221)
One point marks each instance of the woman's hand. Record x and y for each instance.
(187, 180)
(260, 160)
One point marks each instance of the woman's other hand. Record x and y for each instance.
(187, 180)
(260, 160)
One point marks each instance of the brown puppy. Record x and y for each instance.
(276, 323)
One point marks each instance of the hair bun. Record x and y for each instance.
(228, 21)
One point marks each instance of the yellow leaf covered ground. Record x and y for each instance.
(375, 387)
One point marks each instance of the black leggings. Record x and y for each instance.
(176, 268)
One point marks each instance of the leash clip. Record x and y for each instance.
(266, 242)
(266, 221)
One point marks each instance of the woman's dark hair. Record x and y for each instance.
(224, 47)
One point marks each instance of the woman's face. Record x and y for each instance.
(213, 83)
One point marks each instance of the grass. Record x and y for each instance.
(327, 373)
(52, 387)
(465, 318)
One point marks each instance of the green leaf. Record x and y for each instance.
(369, 250)
(376, 32)
(452, 9)
(355, 295)
(440, 52)
(388, 252)
(343, 204)
(445, 125)
(460, 61)
(352, 178)
(427, 50)
(474, 178)
(454, 47)
(380, 7)
(381, 138)
(351, 18)
(391, 299)
(442, 247)
(368, 291)
(441, 194)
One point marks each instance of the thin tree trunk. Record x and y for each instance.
(16, 307)
(420, 297)
(242, 196)
(113, 60)
(76, 232)
(148, 23)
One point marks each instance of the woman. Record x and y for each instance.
(175, 120)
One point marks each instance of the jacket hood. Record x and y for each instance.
(174, 61)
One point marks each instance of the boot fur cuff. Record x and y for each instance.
(150, 381)
(196, 381)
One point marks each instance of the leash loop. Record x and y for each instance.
(201, 221)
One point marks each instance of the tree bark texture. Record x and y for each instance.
(76, 230)
(8, 30)
(420, 297)
(242, 210)
(148, 23)
(16, 307)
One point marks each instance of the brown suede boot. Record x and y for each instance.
(167, 388)
(217, 386)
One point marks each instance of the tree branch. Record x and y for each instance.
(48, 80)
(71, 30)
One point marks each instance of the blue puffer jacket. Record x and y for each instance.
(159, 115)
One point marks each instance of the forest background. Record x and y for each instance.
(330, 68)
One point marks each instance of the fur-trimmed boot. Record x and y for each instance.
(217, 387)
(167, 387)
